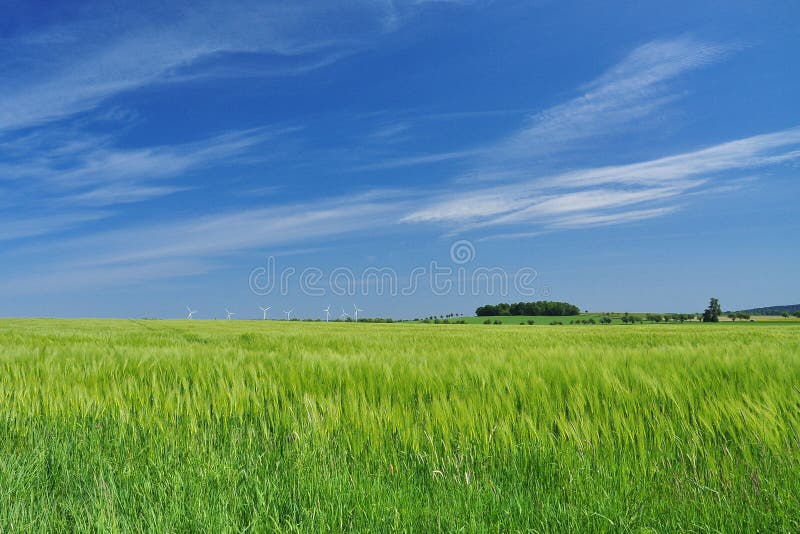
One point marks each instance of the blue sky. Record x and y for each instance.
(634, 156)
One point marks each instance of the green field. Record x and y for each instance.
(538, 319)
(258, 426)
(615, 319)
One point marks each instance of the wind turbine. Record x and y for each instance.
(327, 313)
(288, 313)
(356, 309)
(191, 312)
(344, 314)
(265, 310)
(229, 314)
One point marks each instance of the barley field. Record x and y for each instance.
(234, 426)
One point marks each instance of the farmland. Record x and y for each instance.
(616, 318)
(244, 425)
(537, 319)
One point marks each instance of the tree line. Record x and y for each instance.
(542, 307)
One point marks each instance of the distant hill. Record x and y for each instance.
(773, 310)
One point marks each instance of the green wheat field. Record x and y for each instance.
(234, 426)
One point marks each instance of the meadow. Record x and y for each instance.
(229, 426)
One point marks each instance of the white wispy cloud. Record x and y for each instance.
(628, 92)
(119, 194)
(747, 153)
(64, 71)
(112, 48)
(23, 227)
(390, 131)
(555, 203)
(164, 248)
(635, 88)
(92, 164)
(617, 101)
(593, 220)
(90, 171)
(77, 177)
(545, 199)
(409, 161)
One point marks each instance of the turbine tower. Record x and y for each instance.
(288, 314)
(265, 310)
(344, 314)
(327, 313)
(356, 309)
(191, 312)
(229, 314)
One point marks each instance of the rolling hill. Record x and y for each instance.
(773, 310)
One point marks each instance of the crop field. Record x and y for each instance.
(258, 426)
(537, 319)
(616, 318)
(540, 319)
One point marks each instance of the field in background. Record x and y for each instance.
(616, 318)
(538, 319)
(234, 425)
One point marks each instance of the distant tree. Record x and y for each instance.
(542, 307)
(743, 316)
(797, 314)
(605, 320)
(785, 315)
(712, 313)
(732, 317)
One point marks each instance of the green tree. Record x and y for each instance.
(712, 313)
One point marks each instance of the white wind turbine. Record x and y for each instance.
(356, 309)
(191, 312)
(344, 314)
(265, 310)
(288, 313)
(327, 313)
(229, 314)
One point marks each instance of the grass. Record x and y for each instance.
(259, 426)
